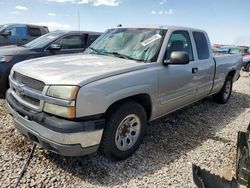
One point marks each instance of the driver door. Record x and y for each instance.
(177, 86)
(18, 36)
(70, 44)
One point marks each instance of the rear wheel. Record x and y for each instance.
(124, 131)
(223, 96)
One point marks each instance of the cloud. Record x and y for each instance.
(54, 25)
(14, 12)
(163, 2)
(51, 14)
(92, 2)
(169, 12)
(19, 7)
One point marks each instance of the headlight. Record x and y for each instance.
(5, 58)
(63, 92)
(67, 112)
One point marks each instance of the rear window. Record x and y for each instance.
(34, 31)
(91, 39)
(201, 45)
(46, 29)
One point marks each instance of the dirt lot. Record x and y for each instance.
(204, 133)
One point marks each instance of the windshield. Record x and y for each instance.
(140, 44)
(44, 40)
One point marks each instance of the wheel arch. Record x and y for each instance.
(232, 73)
(143, 99)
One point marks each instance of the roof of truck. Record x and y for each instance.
(159, 27)
(20, 24)
(77, 32)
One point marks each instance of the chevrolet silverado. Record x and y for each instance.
(103, 99)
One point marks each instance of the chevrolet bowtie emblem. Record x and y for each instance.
(20, 89)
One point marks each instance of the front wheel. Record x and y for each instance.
(124, 131)
(223, 96)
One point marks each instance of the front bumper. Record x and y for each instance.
(61, 139)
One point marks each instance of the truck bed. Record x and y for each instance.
(224, 63)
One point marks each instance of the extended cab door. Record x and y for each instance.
(205, 65)
(177, 86)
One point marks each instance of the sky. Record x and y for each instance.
(226, 21)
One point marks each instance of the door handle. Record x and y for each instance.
(194, 70)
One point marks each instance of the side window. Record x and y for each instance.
(70, 42)
(91, 39)
(179, 41)
(12, 30)
(18, 31)
(201, 45)
(34, 32)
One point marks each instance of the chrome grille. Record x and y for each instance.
(26, 98)
(29, 82)
(30, 100)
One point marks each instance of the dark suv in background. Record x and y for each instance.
(19, 34)
(54, 43)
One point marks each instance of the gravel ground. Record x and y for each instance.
(204, 133)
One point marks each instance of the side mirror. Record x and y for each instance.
(55, 47)
(177, 58)
(5, 33)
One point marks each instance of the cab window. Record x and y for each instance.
(70, 42)
(17, 31)
(201, 45)
(179, 41)
(91, 38)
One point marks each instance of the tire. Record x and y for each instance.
(124, 131)
(248, 67)
(243, 168)
(223, 96)
(243, 160)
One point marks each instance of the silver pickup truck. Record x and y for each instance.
(103, 99)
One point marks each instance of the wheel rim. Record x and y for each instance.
(128, 132)
(227, 90)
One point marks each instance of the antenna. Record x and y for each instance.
(79, 25)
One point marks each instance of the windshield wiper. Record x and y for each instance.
(95, 50)
(118, 55)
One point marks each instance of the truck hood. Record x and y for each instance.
(14, 50)
(76, 69)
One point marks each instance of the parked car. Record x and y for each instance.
(57, 42)
(103, 99)
(246, 58)
(244, 50)
(218, 51)
(231, 49)
(19, 34)
(246, 62)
